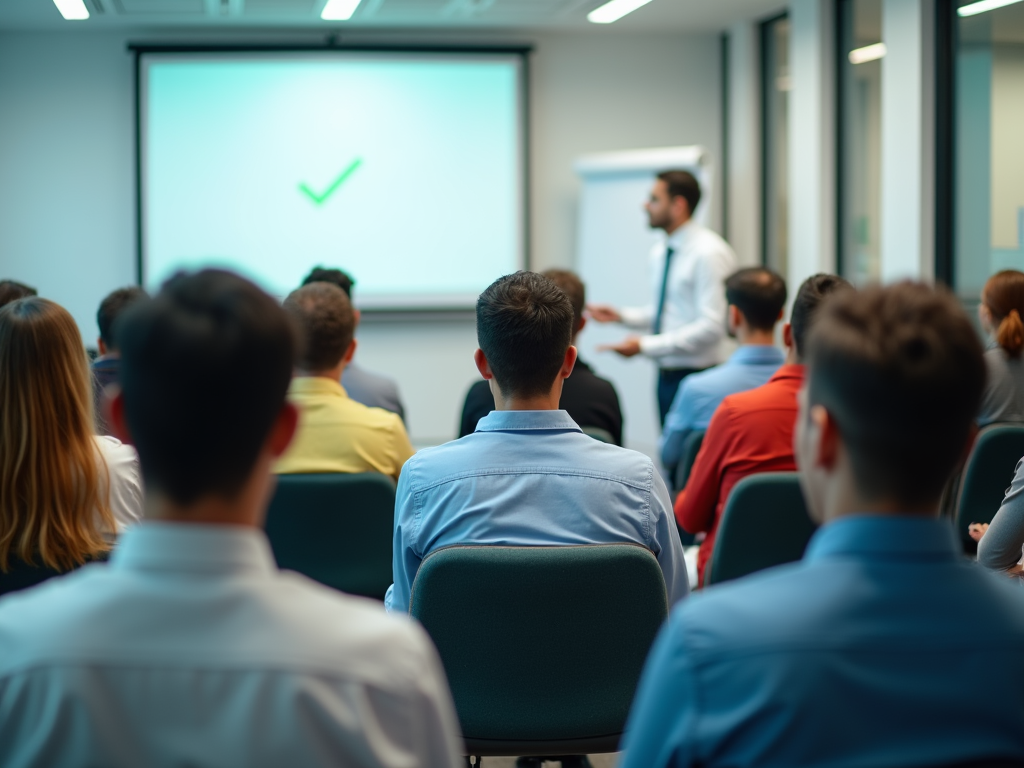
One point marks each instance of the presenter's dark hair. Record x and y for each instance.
(759, 294)
(112, 307)
(901, 370)
(326, 321)
(524, 327)
(205, 366)
(682, 184)
(813, 291)
(12, 290)
(572, 286)
(335, 276)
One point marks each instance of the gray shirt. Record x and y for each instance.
(1004, 390)
(372, 389)
(1000, 547)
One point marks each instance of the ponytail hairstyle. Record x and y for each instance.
(52, 477)
(1004, 296)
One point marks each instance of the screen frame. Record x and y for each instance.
(333, 45)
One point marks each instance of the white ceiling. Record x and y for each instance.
(662, 15)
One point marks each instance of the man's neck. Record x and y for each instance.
(751, 338)
(673, 228)
(334, 374)
(546, 402)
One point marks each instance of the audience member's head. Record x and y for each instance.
(52, 505)
(756, 297)
(813, 291)
(324, 315)
(110, 309)
(334, 276)
(895, 379)
(572, 287)
(205, 366)
(524, 326)
(12, 290)
(1002, 304)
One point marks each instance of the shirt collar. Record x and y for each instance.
(884, 537)
(755, 354)
(191, 547)
(676, 239)
(789, 371)
(316, 385)
(518, 421)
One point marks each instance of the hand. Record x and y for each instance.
(627, 347)
(603, 313)
(977, 530)
(1017, 570)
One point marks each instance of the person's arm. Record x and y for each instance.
(405, 558)
(1000, 547)
(709, 327)
(666, 545)
(638, 318)
(696, 503)
(678, 425)
(662, 720)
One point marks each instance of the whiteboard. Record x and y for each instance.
(613, 247)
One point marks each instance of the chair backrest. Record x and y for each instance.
(765, 523)
(691, 447)
(987, 475)
(599, 434)
(335, 528)
(543, 646)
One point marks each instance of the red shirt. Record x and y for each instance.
(750, 432)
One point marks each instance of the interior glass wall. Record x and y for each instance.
(775, 87)
(989, 146)
(862, 56)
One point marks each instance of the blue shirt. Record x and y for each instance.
(883, 646)
(701, 393)
(530, 478)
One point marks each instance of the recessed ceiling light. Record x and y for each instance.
(339, 10)
(614, 10)
(72, 10)
(867, 53)
(985, 5)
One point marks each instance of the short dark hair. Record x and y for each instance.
(205, 367)
(111, 308)
(682, 184)
(324, 315)
(334, 276)
(901, 370)
(809, 297)
(12, 290)
(759, 294)
(524, 327)
(572, 286)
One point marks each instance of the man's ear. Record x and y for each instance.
(357, 315)
(482, 365)
(583, 321)
(350, 352)
(734, 316)
(787, 335)
(283, 430)
(100, 346)
(112, 403)
(569, 362)
(829, 439)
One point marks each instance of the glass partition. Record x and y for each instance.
(775, 87)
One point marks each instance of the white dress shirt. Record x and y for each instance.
(693, 320)
(125, 489)
(191, 648)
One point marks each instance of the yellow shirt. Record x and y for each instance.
(337, 434)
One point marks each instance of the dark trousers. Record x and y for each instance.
(669, 380)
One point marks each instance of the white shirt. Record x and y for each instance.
(191, 648)
(693, 320)
(125, 489)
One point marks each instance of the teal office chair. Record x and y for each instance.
(599, 434)
(691, 447)
(335, 528)
(987, 474)
(542, 646)
(765, 523)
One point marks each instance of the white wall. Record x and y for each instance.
(1008, 166)
(744, 183)
(67, 193)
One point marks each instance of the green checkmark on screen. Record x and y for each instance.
(321, 198)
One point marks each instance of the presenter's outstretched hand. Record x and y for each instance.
(628, 347)
(603, 313)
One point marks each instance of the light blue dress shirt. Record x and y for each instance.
(883, 646)
(530, 478)
(701, 393)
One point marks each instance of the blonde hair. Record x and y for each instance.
(52, 476)
(1004, 296)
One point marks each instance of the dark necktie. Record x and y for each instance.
(664, 287)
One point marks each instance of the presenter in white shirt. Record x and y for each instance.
(686, 320)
